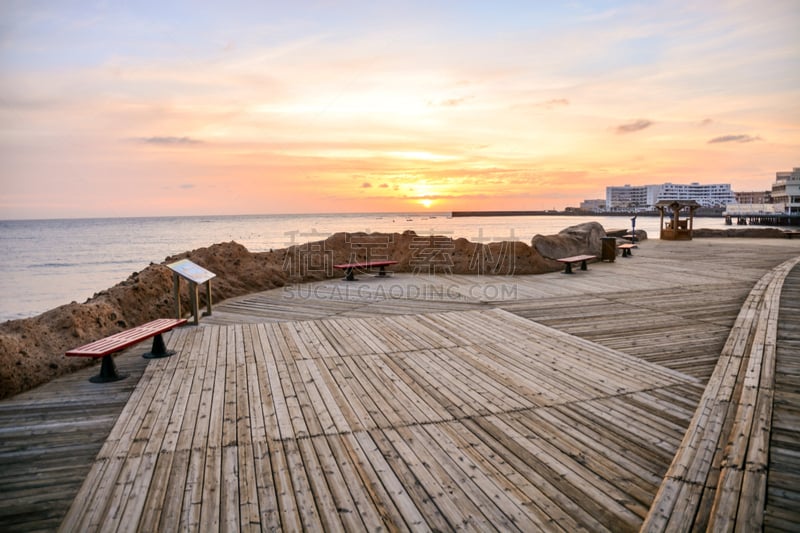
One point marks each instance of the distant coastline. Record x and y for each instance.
(577, 213)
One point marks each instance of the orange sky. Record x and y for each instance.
(259, 107)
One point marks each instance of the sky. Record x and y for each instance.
(152, 108)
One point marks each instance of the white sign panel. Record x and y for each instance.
(191, 271)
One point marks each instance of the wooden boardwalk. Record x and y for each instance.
(402, 406)
(476, 419)
(783, 481)
(718, 477)
(49, 438)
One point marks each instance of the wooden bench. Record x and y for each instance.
(112, 344)
(575, 259)
(350, 267)
(626, 249)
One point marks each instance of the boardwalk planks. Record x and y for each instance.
(320, 408)
(294, 438)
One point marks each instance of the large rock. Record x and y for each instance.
(576, 240)
(641, 235)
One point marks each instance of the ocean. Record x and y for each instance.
(47, 263)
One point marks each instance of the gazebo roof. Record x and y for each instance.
(680, 204)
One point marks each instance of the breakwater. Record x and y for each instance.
(773, 219)
(456, 214)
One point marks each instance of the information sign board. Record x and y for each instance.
(196, 275)
(191, 271)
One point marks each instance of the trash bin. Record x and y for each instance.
(609, 249)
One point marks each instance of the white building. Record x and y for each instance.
(626, 198)
(633, 198)
(593, 205)
(786, 191)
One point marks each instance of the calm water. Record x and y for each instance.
(47, 263)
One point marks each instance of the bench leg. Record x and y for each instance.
(349, 275)
(382, 271)
(108, 371)
(568, 268)
(159, 349)
(583, 264)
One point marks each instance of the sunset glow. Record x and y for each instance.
(271, 107)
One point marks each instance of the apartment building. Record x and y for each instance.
(786, 191)
(753, 197)
(640, 197)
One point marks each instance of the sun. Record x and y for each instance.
(426, 202)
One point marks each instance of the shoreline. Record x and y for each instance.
(755, 219)
(707, 213)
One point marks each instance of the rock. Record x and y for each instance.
(641, 235)
(575, 240)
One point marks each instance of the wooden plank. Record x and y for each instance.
(247, 387)
(193, 491)
(210, 500)
(275, 480)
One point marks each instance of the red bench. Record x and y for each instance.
(575, 259)
(119, 341)
(350, 267)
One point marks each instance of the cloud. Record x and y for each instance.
(450, 102)
(384, 185)
(186, 186)
(734, 139)
(555, 102)
(168, 140)
(637, 125)
(366, 185)
(706, 122)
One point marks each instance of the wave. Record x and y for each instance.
(85, 263)
(53, 265)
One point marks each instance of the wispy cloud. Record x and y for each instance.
(165, 140)
(555, 102)
(636, 125)
(450, 102)
(734, 139)
(366, 185)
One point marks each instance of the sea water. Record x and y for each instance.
(47, 263)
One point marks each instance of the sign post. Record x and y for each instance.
(195, 275)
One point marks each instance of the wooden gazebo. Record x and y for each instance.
(673, 228)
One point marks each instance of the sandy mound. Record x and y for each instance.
(32, 350)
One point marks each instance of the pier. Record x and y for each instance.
(772, 219)
(544, 402)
